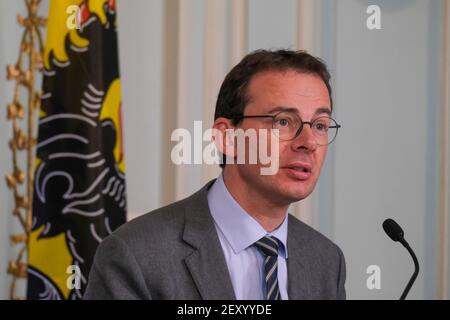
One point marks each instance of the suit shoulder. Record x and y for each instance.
(159, 224)
(305, 233)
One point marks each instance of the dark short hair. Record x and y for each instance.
(233, 96)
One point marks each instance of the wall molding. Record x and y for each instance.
(214, 61)
(184, 31)
(220, 29)
(307, 38)
(170, 98)
(308, 30)
(239, 30)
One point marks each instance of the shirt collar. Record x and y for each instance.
(239, 228)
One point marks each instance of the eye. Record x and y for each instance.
(283, 122)
(321, 125)
(286, 121)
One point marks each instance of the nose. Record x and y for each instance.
(305, 140)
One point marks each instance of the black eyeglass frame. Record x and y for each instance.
(273, 116)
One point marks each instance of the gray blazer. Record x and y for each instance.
(174, 253)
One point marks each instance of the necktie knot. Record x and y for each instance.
(268, 245)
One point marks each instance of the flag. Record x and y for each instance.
(79, 183)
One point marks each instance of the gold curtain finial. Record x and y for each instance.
(22, 112)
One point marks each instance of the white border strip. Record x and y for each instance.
(444, 182)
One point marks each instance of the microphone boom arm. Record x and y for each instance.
(416, 269)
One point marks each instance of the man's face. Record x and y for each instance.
(308, 97)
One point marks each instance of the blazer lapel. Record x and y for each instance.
(206, 263)
(298, 268)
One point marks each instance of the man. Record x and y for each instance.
(234, 238)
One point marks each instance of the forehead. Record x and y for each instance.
(303, 91)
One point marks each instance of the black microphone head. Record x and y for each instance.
(393, 230)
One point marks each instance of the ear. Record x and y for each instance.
(224, 141)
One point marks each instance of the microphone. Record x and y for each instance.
(395, 232)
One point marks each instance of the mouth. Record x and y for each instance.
(298, 171)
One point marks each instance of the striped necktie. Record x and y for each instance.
(269, 248)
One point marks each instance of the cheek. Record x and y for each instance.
(324, 151)
(320, 155)
(285, 152)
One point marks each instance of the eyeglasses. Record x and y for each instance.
(290, 125)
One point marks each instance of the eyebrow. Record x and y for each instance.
(323, 110)
(280, 108)
(295, 110)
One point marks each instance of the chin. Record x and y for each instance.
(299, 196)
(297, 191)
